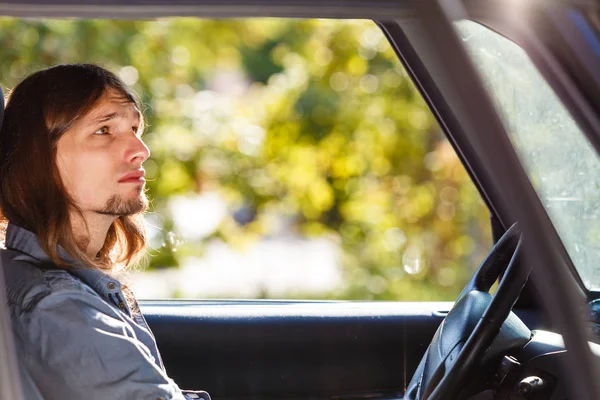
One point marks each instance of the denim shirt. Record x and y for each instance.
(75, 333)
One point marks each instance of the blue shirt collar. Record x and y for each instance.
(27, 242)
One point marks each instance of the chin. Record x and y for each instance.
(125, 205)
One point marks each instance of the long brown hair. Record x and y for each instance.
(32, 195)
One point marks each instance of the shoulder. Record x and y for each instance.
(28, 280)
(63, 315)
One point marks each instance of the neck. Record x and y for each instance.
(90, 231)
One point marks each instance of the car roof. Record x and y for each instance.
(205, 8)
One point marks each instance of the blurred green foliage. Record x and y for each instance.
(312, 120)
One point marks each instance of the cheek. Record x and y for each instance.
(86, 177)
(66, 170)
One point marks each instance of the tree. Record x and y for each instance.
(312, 120)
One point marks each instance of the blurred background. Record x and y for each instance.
(290, 158)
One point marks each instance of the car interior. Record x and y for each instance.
(506, 334)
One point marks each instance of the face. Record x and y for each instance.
(100, 159)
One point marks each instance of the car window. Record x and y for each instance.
(560, 161)
(290, 158)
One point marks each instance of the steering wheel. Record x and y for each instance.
(472, 329)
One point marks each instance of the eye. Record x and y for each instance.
(102, 131)
(135, 129)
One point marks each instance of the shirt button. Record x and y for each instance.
(121, 306)
(111, 286)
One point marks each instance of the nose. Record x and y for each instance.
(137, 151)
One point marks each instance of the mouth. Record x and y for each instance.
(133, 177)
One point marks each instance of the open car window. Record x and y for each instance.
(290, 158)
(559, 159)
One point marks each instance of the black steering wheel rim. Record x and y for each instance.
(441, 379)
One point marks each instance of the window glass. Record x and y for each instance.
(290, 158)
(563, 166)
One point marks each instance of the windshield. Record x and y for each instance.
(561, 163)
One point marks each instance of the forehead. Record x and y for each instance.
(112, 105)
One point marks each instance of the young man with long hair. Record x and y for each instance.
(72, 197)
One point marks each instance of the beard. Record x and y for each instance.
(117, 207)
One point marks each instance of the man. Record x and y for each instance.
(72, 194)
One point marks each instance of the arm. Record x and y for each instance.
(78, 347)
